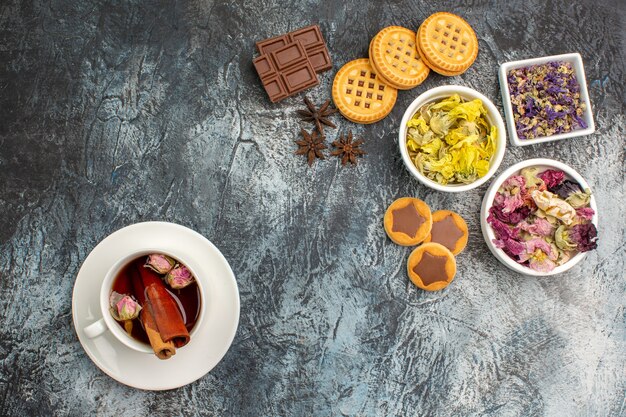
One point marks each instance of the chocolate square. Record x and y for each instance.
(299, 77)
(275, 89)
(309, 36)
(264, 66)
(319, 58)
(288, 55)
(268, 45)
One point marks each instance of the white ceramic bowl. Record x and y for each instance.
(438, 93)
(488, 233)
(579, 70)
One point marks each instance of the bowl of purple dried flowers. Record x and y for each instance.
(539, 217)
(545, 99)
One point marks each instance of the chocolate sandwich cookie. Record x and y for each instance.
(408, 221)
(431, 266)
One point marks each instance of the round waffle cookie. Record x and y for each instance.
(433, 66)
(394, 55)
(360, 95)
(447, 42)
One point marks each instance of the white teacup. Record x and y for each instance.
(107, 322)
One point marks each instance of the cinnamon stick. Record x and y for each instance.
(162, 349)
(165, 311)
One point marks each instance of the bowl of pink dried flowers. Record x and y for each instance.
(539, 217)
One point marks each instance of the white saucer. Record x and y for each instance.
(210, 342)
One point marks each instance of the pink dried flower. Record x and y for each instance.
(541, 220)
(511, 247)
(505, 237)
(159, 263)
(513, 184)
(585, 213)
(123, 307)
(179, 277)
(539, 227)
(552, 177)
(512, 203)
(540, 255)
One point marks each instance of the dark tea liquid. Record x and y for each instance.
(187, 299)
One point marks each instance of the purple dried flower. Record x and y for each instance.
(513, 217)
(500, 229)
(580, 121)
(545, 99)
(584, 235)
(511, 247)
(505, 238)
(565, 188)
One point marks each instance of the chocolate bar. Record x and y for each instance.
(288, 63)
(285, 70)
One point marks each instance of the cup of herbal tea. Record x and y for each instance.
(151, 301)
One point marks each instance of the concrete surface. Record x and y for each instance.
(116, 112)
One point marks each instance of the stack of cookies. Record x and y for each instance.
(365, 90)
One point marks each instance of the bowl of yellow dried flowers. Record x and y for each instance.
(452, 138)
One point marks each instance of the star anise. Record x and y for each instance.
(317, 116)
(311, 146)
(347, 149)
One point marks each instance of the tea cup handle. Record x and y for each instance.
(95, 329)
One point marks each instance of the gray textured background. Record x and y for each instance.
(115, 112)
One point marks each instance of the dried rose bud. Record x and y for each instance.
(159, 263)
(179, 277)
(123, 307)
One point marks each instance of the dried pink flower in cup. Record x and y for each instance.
(159, 263)
(123, 307)
(179, 277)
